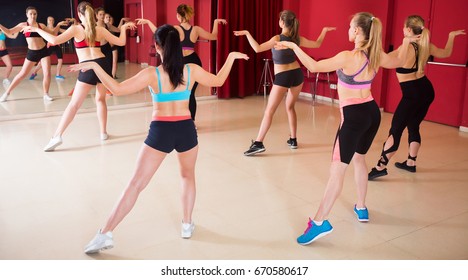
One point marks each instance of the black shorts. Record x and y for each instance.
(37, 55)
(290, 78)
(89, 77)
(57, 50)
(3, 52)
(166, 136)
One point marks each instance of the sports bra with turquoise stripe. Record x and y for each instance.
(170, 96)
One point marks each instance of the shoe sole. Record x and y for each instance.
(404, 168)
(370, 178)
(293, 147)
(100, 249)
(317, 237)
(51, 148)
(255, 152)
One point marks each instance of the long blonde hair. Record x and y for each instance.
(87, 11)
(372, 43)
(292, 23)
(416, 23)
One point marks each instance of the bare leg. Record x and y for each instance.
(8, 65)
(27, 66)
(59, 66)
(79, 95)
(45, 62)
(291, 99)
(37, 68)
(187, 171)
(332, 191)
(413, 152)
(115, 56)
(101, 107)
(148, 162)
(388, 144)
(360, 176)
(276, 95)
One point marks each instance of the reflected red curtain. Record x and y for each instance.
(260, 18)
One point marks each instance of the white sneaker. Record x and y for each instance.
(187, 230)
(100, 242)
(104, 136)
(6, 82)
(53, 143)
(48, 98)
(4, 97)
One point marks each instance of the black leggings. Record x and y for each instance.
(193, 58)
(411, 111)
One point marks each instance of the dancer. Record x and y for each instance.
(171, 128)
(288, 76)
(37, 51)
(109, 21)
(189, 35)
(106, 47)
(87, 38)
(418, 95)
(359, 113)
(56, 49)
(5, 56)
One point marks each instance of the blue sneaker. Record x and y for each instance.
(59, 77)
(33, 75)
(362, 215)
(314, 232)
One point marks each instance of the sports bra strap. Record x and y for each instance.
(188, 74)
(159, 80)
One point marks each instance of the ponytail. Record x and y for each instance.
(167, 38)
(292, 23)
(85, 9)
(372, 43)
(416, 23)
(185, 11)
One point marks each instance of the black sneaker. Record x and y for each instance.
(376, 173)
(255, 148)
(292, 143)
(404, 166)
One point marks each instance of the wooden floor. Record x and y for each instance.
(248, 208)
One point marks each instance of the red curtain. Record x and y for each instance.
(260, 18)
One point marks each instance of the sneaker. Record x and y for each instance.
(104, 136)
(59, 77)
(53, 143)
(255, 148)
(100, 242)
(187, 230)
(47, 97)
(402, 165)
(4, 97)
(6, 82)
(33, 75)
(362, 214)
(314, 232)
(292, 143)
(376, 173)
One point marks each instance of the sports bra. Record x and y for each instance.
(2, 36)
(348, 80)
(283, 56)
(170, 96)
(414, 68)
(83, 44)
(186, 43)
(32, 34)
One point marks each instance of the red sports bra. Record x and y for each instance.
(83, 44)
(32, 34)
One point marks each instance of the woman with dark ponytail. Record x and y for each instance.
(87, 39)
(418, 95)
(172, 126)
(189, 35)
(360, 114)
(288, 76)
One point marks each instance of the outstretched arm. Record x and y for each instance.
(316, 44)
(53, 39)
(208, 79)
(268, 45)
(131, 85)
(13, 30)
(447, 51)
(141, 21)
(121, 40)
(213, 36)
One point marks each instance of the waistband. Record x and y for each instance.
(354, 101)
(171, 118)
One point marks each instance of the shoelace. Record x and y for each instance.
(309, 225)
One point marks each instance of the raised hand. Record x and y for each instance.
(241, 33)
(220, 20)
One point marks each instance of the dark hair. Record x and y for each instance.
(30, 8)
(292, 23)
(167, 38)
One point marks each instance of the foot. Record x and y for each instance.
(255, 148)
(33, 75)
(292, 143)
(59, 77)
(361, 214)
(375, 173)
(187, 230)
(404, 165)
(6, 82)
(4, 97)
(314, 232)
(104, 136)
(47, 97)
(53, 143)
(101, 241)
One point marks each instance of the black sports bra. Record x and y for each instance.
(414, 68)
